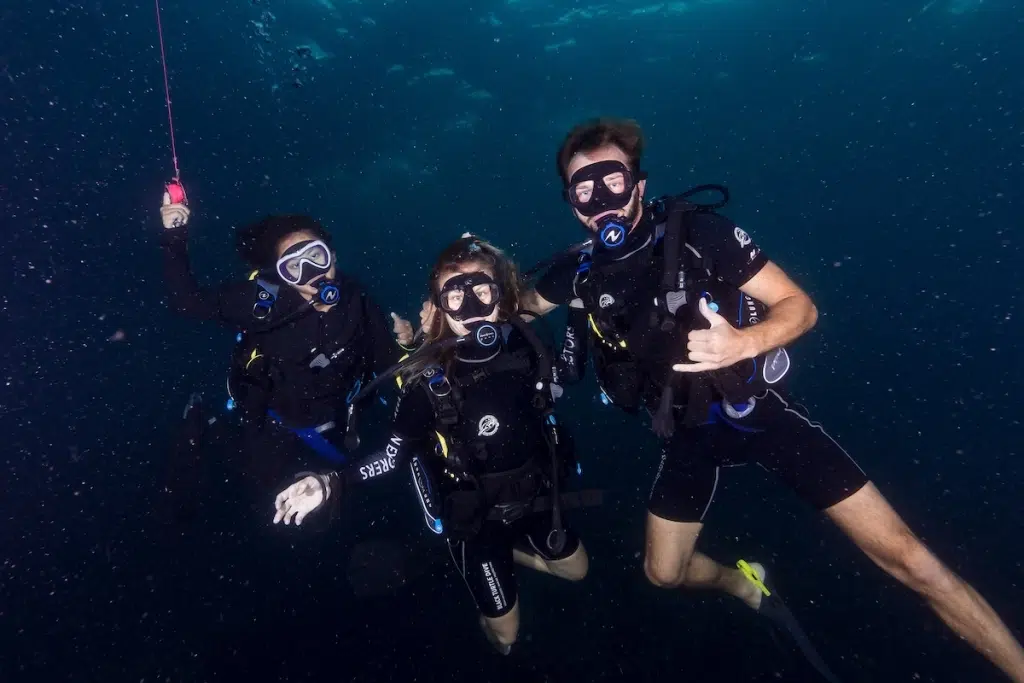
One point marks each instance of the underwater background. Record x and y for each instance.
(873, 149)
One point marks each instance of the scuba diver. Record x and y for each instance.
(685, 316)
(476, 427)
(308, 338)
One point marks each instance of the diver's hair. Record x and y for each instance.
(596, 133)
(468, 249)
(257, 242)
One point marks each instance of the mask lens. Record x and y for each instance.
(486, 294)
(452, 300)
(318, 255)
(581, 193)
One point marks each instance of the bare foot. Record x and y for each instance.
(492, 638)
(746, 590)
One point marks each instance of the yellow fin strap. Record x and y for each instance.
(751, 576)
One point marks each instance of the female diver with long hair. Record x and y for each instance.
(476, 427)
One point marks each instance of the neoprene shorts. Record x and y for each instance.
(777, 435)
(485, 560)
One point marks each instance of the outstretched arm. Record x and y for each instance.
(184, 294)
(555, 287)
(385, 461)
(413, 421)
(530, 300)
(791, 313)
(740, 263)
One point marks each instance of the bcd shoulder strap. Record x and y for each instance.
(443, 401)
(440, 392)
(266, 296)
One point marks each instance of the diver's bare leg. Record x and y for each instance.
(504, 630)
(572, 568)
(868, 519)
(672, 561)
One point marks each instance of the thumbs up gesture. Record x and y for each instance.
(404, 333)
(718, 347)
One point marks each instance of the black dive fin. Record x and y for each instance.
(774, 609)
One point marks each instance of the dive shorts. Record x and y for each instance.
(485, 560)
(776, 435)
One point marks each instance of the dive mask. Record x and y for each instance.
(304, 261)
(602, 186)
(469, 295)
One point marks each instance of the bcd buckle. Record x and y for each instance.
(261, 309)
(438, 384)
(508, 513)
(266, 295)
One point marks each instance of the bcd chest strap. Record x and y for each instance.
(680, 265)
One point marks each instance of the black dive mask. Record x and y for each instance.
(603, 186)
(469, 295)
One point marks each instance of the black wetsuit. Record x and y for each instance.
(296, 394)
(775, 435)
(498, 432)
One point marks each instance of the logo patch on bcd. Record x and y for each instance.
(488, 426)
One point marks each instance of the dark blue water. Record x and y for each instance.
(873, 149)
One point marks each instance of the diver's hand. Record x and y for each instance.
(403, 330)
(718, 347)
(300, 499)
(427, 314)
(173, 215)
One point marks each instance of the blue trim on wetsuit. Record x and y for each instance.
(314, 439)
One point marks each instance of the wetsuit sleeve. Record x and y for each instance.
(556, 284)
(225, 304)
(571, 363)
(414, 419)
(734, 256)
